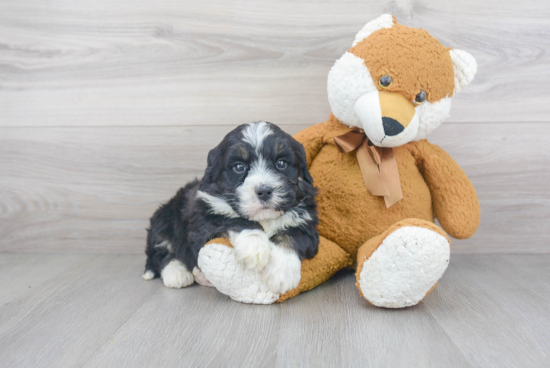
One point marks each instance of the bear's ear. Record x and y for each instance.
(465, 67)
(383, 21)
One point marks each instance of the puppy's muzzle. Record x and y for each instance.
(264, 192)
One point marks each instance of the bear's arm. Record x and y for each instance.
(454, 198)
(312, 139)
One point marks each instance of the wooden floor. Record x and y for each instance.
(96, 311)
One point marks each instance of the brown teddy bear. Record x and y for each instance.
(381, 184)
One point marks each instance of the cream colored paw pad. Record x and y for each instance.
(220, 266)
(405, 267)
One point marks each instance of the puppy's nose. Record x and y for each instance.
(392, 126)
(264, 192)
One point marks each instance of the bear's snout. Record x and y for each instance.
(391, 126)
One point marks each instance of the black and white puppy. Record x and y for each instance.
(258, 193)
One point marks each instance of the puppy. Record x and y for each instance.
(258, 193)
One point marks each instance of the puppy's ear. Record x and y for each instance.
(302, 163)
(214, 162)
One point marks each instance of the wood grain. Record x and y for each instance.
(107, 107)
(488, 290)
(92, 189)
(72, 313)
(20, 273)
(213, 62)
(487, 311)
(357, 334)
(509, 165)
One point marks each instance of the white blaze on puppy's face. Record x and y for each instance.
(250, 205)
(259, 175)
(255, 133)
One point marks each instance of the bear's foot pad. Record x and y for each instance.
(405, 267)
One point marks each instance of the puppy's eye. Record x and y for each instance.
(239, 168)
(281, 164)
(385, 81)
(421, 97)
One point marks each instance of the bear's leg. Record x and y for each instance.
(219, 265)
(399, 267)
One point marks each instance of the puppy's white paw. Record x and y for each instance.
(252, 248)
(175, 275)
(148, 275)
(283, 272)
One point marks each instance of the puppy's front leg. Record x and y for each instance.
(252, 247)
(283, 271)
(288, 249)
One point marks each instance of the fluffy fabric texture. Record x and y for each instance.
(383, 21)
(353, 223)
(432, 184)
(355, 226)
(431, 116)
(465, 67)
(329, 259)
(420, 256)
(404, 267)
(348, 80)
(218, 263)
(423, 63)
(349, 216)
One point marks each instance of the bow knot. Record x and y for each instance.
(378, 165)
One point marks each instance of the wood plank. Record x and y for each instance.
(92, 189)
(212, 62)
(491, 314)
(193, 327)
(330, 327)
(71, 315)
(334, 327)
(509, 165)
(488, 310)
(20, 273)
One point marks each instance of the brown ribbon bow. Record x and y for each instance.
(378, 165)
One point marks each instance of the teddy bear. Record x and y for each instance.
(381, 183)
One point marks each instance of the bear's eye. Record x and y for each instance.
(281, 164)
(239, 168)
(421, 97)
(385, 81)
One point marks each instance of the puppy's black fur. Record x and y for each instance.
(183, 225)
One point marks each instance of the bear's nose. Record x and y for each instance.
(392, 127)
(264, 192)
